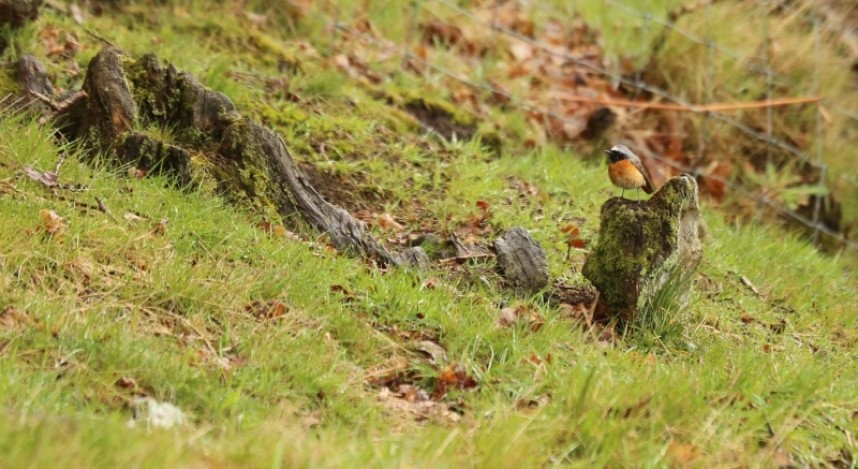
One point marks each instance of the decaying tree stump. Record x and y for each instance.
(646, 247)
(16, 13)
(33, 77)
(157, 118)
(521, 260)
(211, 144)
(109, 110)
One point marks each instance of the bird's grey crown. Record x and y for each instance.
(620, 152)
(622, 149)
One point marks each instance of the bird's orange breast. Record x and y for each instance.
(625, 175)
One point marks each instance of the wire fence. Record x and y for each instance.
(767, 137)
(773, 78)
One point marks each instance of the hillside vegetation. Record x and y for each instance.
(121, 289)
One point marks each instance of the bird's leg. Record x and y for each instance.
(623, 193)
(639, 195)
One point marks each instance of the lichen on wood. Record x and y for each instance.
(170, 97)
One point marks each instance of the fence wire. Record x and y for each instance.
(728, 52)
(640, 85)
(772, 76)
(814, 161)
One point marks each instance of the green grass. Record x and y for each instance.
(749, 377)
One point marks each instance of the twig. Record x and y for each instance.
(100, 38)
(61, 106)
(714, 107)
(76, 203)
(103, 209)
(748, 284)
(70, 100)
(592, 309)
(59, 163)
(45, 99)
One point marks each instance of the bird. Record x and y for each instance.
(626, 170)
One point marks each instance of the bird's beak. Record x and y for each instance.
(608, 152)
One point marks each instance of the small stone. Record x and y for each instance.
(415, 257)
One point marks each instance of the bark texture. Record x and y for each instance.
(521, 260)
(33, 77)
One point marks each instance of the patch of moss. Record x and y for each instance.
(273, 52)
(201, 171)
(278, 113)
(8, 84)
(439, 114)
(154, 88)
(245, 173)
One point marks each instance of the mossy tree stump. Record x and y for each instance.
(203, 141)
(646, 247)
(14, 14)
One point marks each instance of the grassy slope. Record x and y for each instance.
(115, 300)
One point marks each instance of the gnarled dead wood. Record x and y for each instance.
(522, 260)
(212, 145)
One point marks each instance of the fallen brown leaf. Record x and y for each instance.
(126, 382)
(6, 187)
(51, 223)
(532, 403)
(259, 20)
(47, 178)
(573, 236)
(160, 228)
(511, 316)
(130, 384)
(276, 230)
(441, 32)
(387, 222)
(132, 218)
(433, 350)
(348, 295)
(137, 173)
(683, 454)
(413, 393)
(266, 311)
(781, 458)
(12, 317)
(453, 376)
(414, 402)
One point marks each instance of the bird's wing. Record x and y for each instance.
(648, 187)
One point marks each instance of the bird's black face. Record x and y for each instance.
(614, 155)
(619, 153)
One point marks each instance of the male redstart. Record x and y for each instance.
(626, 170)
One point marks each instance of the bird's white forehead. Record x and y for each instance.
(621, 149)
